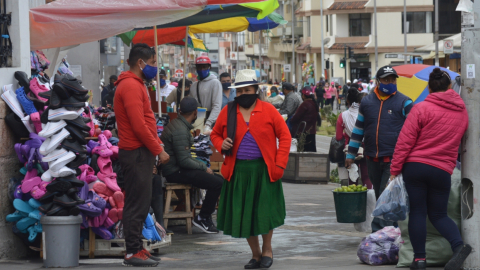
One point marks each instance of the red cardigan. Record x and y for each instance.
(266, 125)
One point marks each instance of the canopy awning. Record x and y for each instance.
(69, 22)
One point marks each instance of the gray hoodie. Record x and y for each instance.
(210, 93)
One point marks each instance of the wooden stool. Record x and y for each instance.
(187, 214)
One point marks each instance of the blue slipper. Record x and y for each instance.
(23, 170)
(24, 223)
(15, 216)
(33, 231)
(149, 231)
(26, 103)
(36, 214)
(34, 203)
(22, 206)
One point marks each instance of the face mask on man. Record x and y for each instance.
(162, 83)
(226, 86)
(150, 72)
(388, 89)
(273, 94)
(202, 74)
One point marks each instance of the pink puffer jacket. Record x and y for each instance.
(432, 133)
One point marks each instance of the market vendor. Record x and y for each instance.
(165, 88)
(174, 96)
(184, 169)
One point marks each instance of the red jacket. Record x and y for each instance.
(266, 125)
(137, 126)
(432, 133)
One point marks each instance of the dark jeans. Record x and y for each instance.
(200, 179)
(379, 174)
(428, 189)
(320, 102)
(137, 167)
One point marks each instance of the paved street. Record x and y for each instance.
(310, 239)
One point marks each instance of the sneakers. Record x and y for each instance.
(139, 259)
(459, 257)
(155, 258)
(418, 264)
(206, 225)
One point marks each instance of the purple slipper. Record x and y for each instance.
(25, 151)
(96, 200)
(31, 159)
(39, 157)
(92, 144)
(34, 143)
(18, 150)
(35, 136)
(88, 208)
(84, 224)
(18, 194)
(103, 232)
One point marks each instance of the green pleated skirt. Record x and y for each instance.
(250, 205)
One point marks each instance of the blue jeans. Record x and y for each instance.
(428, 190)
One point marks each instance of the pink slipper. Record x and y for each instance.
(110, 180)
(102, 151)
(83, 176)
(120, 213)
(31, 174)
(102, 189)
(111, 200)
(119, 199)
(37, 193)
(102, 140)
(105, 165)
(43, 186)
(90, 173)
(113, 215)
(108, 223)
(37, 88)
(108, 134)
(29, 184)
(35, 117)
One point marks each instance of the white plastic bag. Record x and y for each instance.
(353, 172)
(366, 226)
(293, 146)
(393, 204)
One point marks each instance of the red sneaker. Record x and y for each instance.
(157, 259)
(139, 259)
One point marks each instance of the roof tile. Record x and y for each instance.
(348, 5)
(339, 46)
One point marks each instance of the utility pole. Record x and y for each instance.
(294, 68)
(345, 53)
(470, 93)
(437, 62)
(260, 56)
(322, 44)
(404, 31)
(376, 38)
(238, 58)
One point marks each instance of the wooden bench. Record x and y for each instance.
(187, 214)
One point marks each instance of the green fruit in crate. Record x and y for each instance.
(364, 189)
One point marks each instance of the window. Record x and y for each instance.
(418, 22)
(331, 25)
(360, 24)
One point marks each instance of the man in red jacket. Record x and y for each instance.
(139, 145)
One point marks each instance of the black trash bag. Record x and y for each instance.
(335, 154)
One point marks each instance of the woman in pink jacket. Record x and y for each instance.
(329, 90)
(426, 154)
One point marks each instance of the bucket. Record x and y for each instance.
(61, 241)
(350, 207)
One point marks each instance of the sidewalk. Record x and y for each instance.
(310, 239)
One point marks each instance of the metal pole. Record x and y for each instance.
(376, 40)
(159, 97)
(185, 59)
(321, 43)
(238, 58)
(437, 62)
(260, 55)
(404, 31)
(294, 69)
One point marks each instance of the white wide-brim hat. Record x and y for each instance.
(245, 78)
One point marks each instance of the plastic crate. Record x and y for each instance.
(116, 247)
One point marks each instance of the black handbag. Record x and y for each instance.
(335, 154)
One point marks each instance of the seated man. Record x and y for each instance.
(184, 169)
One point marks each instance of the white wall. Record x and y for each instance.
(400, 3)
(341, 25)
(390, 34)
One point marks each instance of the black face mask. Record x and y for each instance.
(193, 121)
(246, 100)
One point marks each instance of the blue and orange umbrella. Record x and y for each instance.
(413, 80)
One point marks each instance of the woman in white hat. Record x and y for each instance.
(252, 201)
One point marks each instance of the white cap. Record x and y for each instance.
(348, 81)
(355, 81)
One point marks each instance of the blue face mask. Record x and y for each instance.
(273, 94)
(226, 86)
(202, 74)
(388, 88)
(162, 82)
(150, 72)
